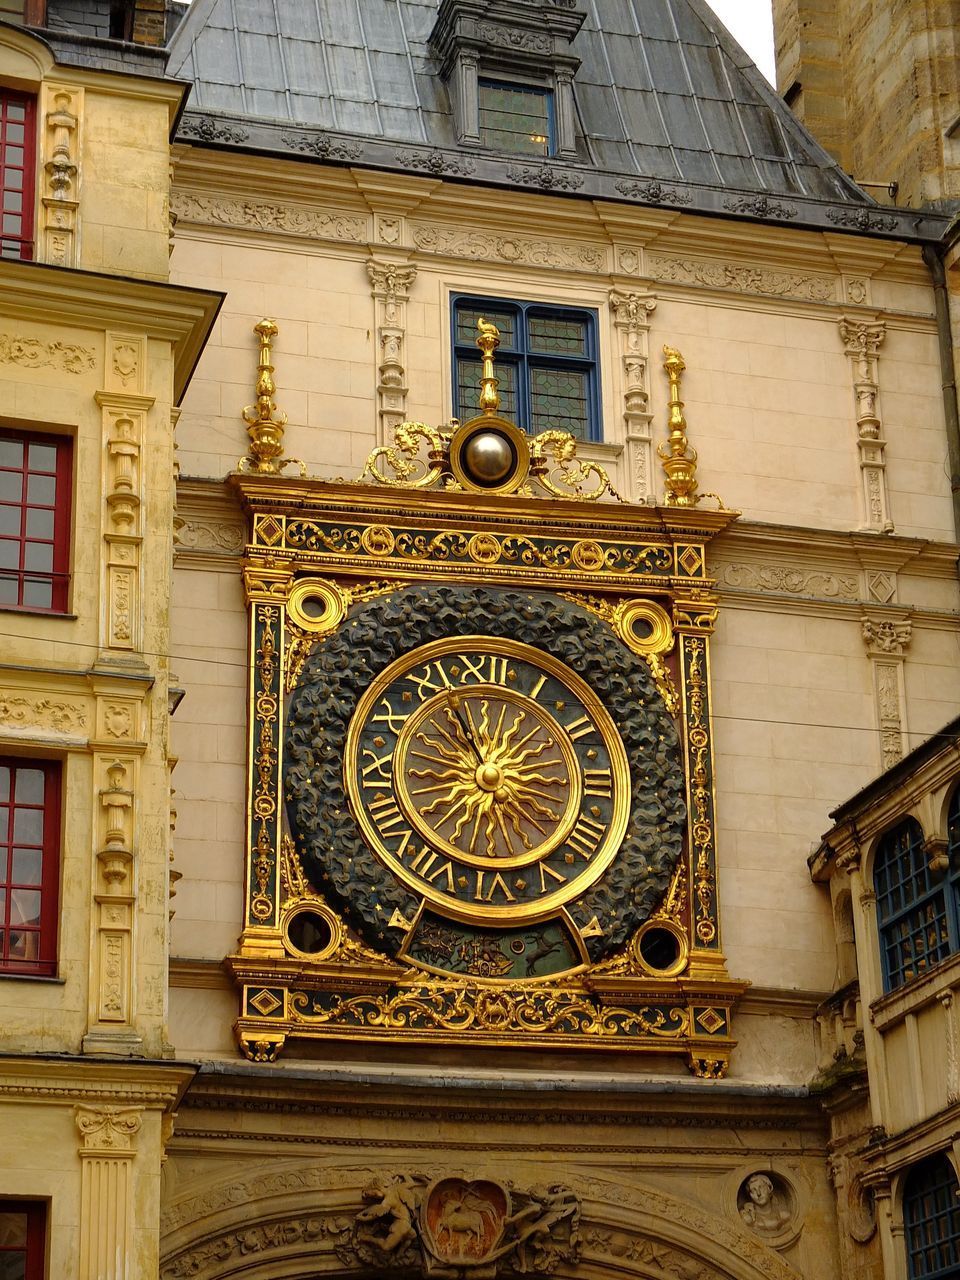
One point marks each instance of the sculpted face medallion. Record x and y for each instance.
(488, 777)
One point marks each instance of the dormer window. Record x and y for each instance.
(509, 66)
(516, 118)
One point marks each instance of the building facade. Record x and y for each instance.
(562, 392)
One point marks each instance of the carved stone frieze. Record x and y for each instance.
(217, 537)
(32, 353)
(456, 242)
(266, 216)
(760, 207)
(861, 220)
(29, 712)
(744, 279)
(437, 161)
(206, 129)
(788, 580)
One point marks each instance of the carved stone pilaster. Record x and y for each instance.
(390, 284)
(631, 318)
(124, 415)
(60, 174)
(107, 1225)
(886, 640)
(862, 341)
(111, 1028)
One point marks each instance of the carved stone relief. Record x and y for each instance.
(32, 353)
(744, 279)
(765, 1204)
(46, 714)
(862, 341)
(886, 641)
(107, 1150)
(60, 181)
(457, 243)
(266, 216)
(390, 284)
(631, 319)
(789, 580)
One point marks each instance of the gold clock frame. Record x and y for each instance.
(643, 571)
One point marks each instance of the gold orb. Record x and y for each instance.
(488, 457)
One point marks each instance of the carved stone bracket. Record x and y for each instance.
(886, 640)
(390, 284)
(631, 318)
(107, 1230)
(60, 174)
(862, 341)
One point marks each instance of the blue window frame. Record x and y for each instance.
(517, 118)
(546, 364)
(931, 1219)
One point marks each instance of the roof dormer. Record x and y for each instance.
(509, 65)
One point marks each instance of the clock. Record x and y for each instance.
(483, 781)
(488, 778)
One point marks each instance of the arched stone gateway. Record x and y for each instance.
(299, 1222)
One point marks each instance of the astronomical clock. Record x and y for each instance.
(481, 801)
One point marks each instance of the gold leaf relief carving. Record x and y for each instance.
(32, 353)
(42, 713)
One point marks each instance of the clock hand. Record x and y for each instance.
(467, 733)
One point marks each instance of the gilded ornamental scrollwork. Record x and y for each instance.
(481, 803)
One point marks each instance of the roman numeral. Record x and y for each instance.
(377, 773)
(423, 865)
(483, 893)
(427, 683)
(488, 668)
(390, 822)
(579, 728)
(535, 691)
(555, 876)
(598, 782)
(586, 836)
(392, 719)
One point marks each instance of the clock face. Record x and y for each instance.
(488, 778)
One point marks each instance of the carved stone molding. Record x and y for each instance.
(862, 341)
(124, 417)
(215, 537)
(631, 318)
(437, 162)
(60, 178)
(458, 243)
(390, 284)
(113, 960)
(745, 279)
(32, 353)
(261, 215)
(545, 176)
(653, 193)
(886, 641)
(322, 146)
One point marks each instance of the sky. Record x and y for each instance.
(750, 22)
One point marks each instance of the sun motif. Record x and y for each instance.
(489, 774)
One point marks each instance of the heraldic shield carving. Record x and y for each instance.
(456, 1229)
(481, 791)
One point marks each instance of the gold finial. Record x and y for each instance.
(678, 458)
(488, 342)
(265, 422)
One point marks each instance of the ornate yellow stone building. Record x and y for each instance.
(492, 543)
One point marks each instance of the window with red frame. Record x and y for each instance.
(22, 1225)
(17, 173)
(29, 867)
(34, 521)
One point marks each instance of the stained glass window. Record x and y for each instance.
(546, 365)
(916, 916)
(931, 1220)
(516, 118)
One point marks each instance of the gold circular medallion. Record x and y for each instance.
(488, 777)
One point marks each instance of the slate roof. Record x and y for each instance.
(671, 110)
